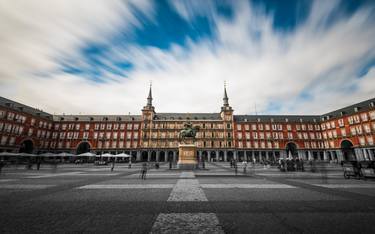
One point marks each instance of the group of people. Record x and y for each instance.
(291, 164)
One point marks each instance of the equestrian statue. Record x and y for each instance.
(189, 132)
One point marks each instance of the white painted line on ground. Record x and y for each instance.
(156, 175)
(247, 186)
(97, 174)
(25, 186)
(7, 180)
(187, 223)
(346, 185)
(38, 176)
(301, 175)
(127, 186)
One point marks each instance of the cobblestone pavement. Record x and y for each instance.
(88, 199)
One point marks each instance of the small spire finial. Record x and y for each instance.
(149, 98)
(225, 99)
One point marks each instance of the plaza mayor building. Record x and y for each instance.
(344, 134)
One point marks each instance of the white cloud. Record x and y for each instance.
(275, 68)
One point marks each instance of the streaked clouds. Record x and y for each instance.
(98, 57)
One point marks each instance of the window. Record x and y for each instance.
(115, 126)
(238, 126)
(341, 122)
(289, 127)
(260, 126)
(87, 126)
(343, 132)
(372, 115)
(367, 128)
(78, 126)
(254, 127)
(267, 127)
(364, 117)
(356, 119)
(86, 135)
(109, 126)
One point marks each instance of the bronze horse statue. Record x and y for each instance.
(188, 132)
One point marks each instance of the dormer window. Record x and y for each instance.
(62, 118)
(286, 120)
(271, 120)
(76, 118)
(342, 113)
(356, 109)
(300, 120)
(372, 104)
(258, 119)
(91, 118)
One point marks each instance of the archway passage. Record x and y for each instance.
(144, 156)
(292, 148)
(213, 156)
(347, 150)
(27, 146)
(83, 147)
(162, 156)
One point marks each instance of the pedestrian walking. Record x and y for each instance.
(244, 164)
(38, 164)
(170, 164)
(2, 164)
(144, 171)
(130, 163)
(113, 164)
(235, 167)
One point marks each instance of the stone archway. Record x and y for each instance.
(204, 155)
(83, 147)
(230, 155)
(221, 156)
(291, 148)
(213, 156)
(144, 156)
(161, 156)
(347, 150)
(153, 156)
(27, 146)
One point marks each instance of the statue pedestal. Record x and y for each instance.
(187, 154)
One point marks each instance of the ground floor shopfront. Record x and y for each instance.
(211, 155)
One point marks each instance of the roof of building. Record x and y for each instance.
(86, 118)
(349, 110)
(277, 118)
(7, 103)
(186, 116)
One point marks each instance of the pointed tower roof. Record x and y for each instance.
(149, 98)
(225, 98)
(226, 106)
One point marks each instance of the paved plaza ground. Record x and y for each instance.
(87, 198)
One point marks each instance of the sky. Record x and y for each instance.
(99, 57)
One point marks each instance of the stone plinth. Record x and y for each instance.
(187, 154)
